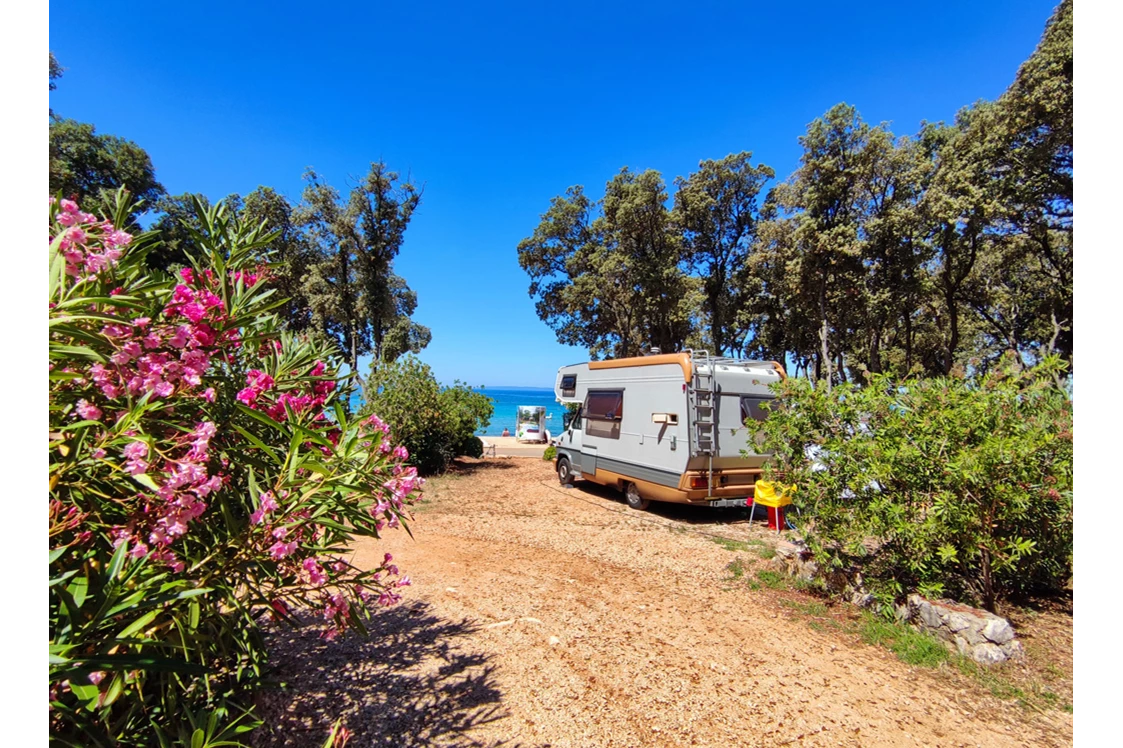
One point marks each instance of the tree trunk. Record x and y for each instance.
(953, 331)
(988, 582)
(824, 349)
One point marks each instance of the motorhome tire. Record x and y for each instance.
(635, 501)
(565, 471)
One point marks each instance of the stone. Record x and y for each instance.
(862, 600)
(998, 630)
(957, 622)
(1013, 650)
(929, 615)
(987, 654)
(962, 646)
(972, 635)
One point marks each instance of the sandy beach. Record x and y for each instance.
(509, 446)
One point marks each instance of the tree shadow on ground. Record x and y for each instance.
(466, 466)
(409, 683)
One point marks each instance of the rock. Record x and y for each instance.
(972, 635)
(957, 622)
(1013, 650)
(962, 646)
(987, 654)
(929, 615)
(862, 600)
(998, 630)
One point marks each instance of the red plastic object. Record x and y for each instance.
(775, 517)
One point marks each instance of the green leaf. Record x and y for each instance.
(138, 624)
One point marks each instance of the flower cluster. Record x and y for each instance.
(82, 237)
(183, 484)
(168, 355)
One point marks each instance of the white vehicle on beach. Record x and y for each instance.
(665, 427)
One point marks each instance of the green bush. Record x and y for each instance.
(956, 486)
(550, 454)
(474, 447)
(434, 424)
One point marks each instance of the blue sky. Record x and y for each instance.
(497, 109)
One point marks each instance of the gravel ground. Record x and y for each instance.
(547, 617)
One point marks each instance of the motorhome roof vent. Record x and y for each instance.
(655, 351)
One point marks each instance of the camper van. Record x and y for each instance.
(667, 427)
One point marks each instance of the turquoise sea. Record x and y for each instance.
(508, 399)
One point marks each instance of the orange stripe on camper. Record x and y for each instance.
(682, 359)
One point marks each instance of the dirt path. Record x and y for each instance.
(543, 617)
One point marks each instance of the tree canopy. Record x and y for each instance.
(880, 253)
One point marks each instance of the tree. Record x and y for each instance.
(611, 282)
(177, 224)
(1028, 151)
(55, 74)
(821, 206)
(291, 253)
(85, 165)
(716, 210)
(352, 292)
(91, 168)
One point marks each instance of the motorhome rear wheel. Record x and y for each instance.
(635, 501)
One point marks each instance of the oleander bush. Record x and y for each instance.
(204, 477)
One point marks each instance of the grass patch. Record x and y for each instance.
(766, 552)
(730, 544)
(773, 580)
(813, 608)
(911, 647)
(1032, 696)
(736, 567)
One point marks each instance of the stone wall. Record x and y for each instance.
(982, 636)
(974, 633)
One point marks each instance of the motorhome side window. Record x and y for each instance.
(603, 410)
(751, 410)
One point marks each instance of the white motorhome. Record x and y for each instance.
(665, 427)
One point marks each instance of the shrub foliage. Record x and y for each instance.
(954, 486)
(203, 477)
(434, 423)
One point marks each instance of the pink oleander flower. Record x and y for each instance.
(97, 677)
(135, 450)
(401, 452)
(247, 396)
(315, 574)
(208, 394)
(87, 411)
(279, 549)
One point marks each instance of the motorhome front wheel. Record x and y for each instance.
(565, 472)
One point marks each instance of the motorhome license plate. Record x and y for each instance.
(729, 502)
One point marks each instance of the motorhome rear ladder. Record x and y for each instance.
(702, 405)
